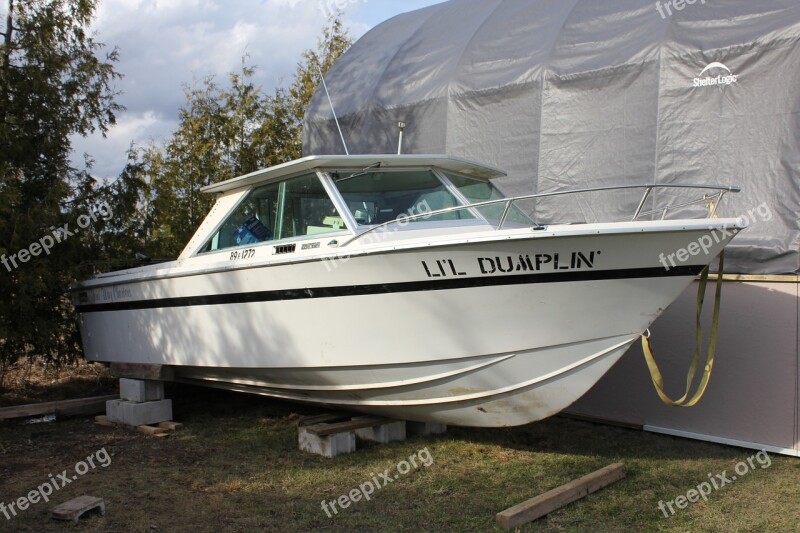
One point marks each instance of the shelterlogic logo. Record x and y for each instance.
(724, 76)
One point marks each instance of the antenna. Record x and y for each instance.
(338, 127)
(402, 126)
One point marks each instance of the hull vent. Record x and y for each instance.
(285, 249)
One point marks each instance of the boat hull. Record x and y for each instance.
(493, 331)
(479, 392)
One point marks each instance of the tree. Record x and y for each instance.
(53, 84)
(243, 109)
(276, 137)
(230, 131)
(129, 198)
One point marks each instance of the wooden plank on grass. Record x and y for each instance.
(151, 430)
(323, 430)
(92, 405)
(84, 408)
(170, 425)
(555, 499)
(102, 420)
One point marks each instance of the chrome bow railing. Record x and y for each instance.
(721, 190)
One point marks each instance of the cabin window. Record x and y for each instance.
(477, 191)
(297, 207)
(376, 197)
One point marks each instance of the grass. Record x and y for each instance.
(235, 466)
(30, 381)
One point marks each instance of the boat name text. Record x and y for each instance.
(553, 262)
(115, 294)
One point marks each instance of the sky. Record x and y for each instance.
(167, 44)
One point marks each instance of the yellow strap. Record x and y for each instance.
(655, 373)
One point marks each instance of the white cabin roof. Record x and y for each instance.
(333, 162)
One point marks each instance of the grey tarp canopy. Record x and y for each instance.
(576, 93)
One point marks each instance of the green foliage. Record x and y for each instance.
(53, 84)
(128, 199)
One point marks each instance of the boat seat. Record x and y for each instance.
(329, 224)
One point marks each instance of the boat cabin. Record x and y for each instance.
(344, 196)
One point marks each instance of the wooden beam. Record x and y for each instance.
(140, 371)
(151, 430)
(600, 420)
(102, 420)
(323, 430)
(756, 278)
(82, 406)
(170, 425)
(555, 499)
(325, 418)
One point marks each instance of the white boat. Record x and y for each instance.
(404, 286)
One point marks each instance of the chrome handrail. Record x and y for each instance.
(509, 202)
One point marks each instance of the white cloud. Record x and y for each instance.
(110, 152)
(139, 126)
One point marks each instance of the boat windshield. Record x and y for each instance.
(377, 197)
(297, 207)
(477, 191)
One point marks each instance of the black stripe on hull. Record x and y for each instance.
(389, 288)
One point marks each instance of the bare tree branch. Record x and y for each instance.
(7, 37)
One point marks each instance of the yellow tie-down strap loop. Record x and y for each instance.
(655, 373)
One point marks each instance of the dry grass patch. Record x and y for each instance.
(235, 466)
(32, 380)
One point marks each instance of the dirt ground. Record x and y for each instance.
(235, 466)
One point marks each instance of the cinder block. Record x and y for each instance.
(138, 414)
(141, 390)
(384, 433)
(329, 446)
(73, 509)
(425, 428)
